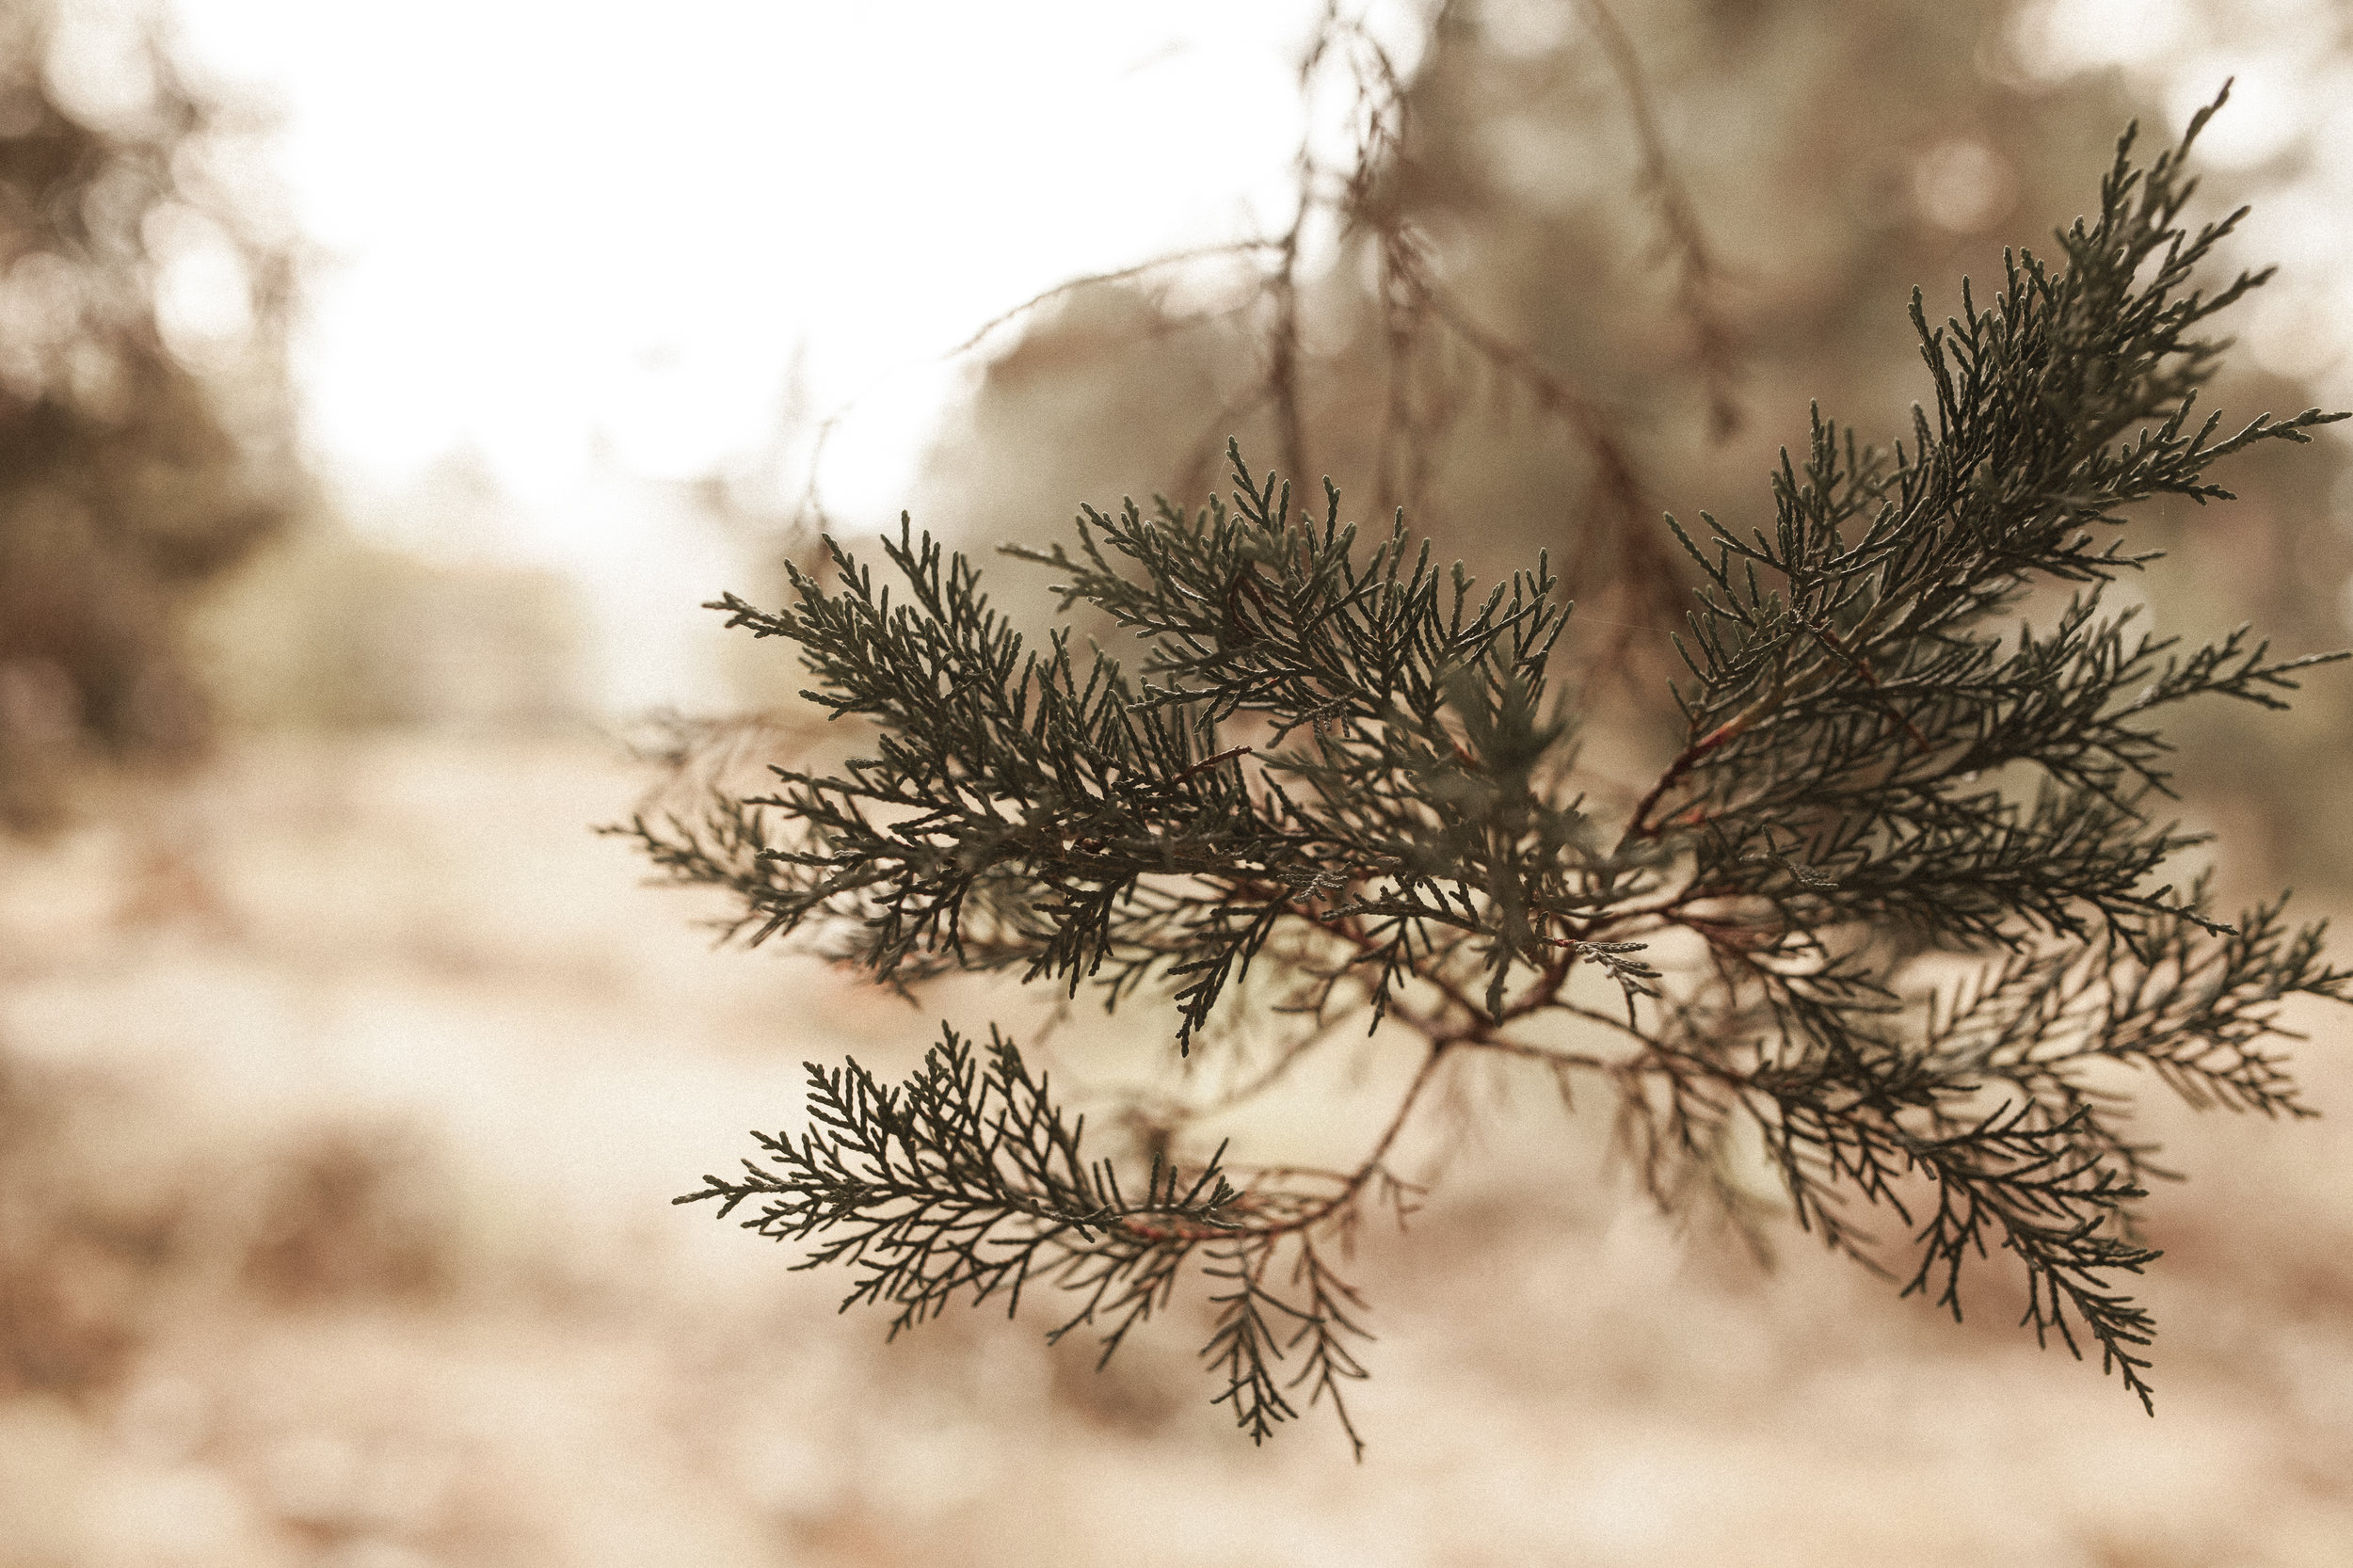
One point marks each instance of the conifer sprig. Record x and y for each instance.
(968, 1181)
(1901, 911)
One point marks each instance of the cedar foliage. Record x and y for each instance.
(1899, 908)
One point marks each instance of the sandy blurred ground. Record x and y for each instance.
(347, 1086)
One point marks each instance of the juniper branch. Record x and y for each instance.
(1345, 780)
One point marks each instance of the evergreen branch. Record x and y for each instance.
(967, 1181)
(1345, 779)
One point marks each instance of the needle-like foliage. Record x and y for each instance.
(1899, 908)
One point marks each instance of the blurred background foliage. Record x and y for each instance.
(167, 562)
(146, 420)
(343, 1076)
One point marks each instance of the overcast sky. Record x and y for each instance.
(541, 223)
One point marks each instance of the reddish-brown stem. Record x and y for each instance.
(1862, 666)
(1226, 756)
(1641, 826)
(1373, 1161)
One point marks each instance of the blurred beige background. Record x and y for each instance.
(380, 394)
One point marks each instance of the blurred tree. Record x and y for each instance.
(146, 435)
